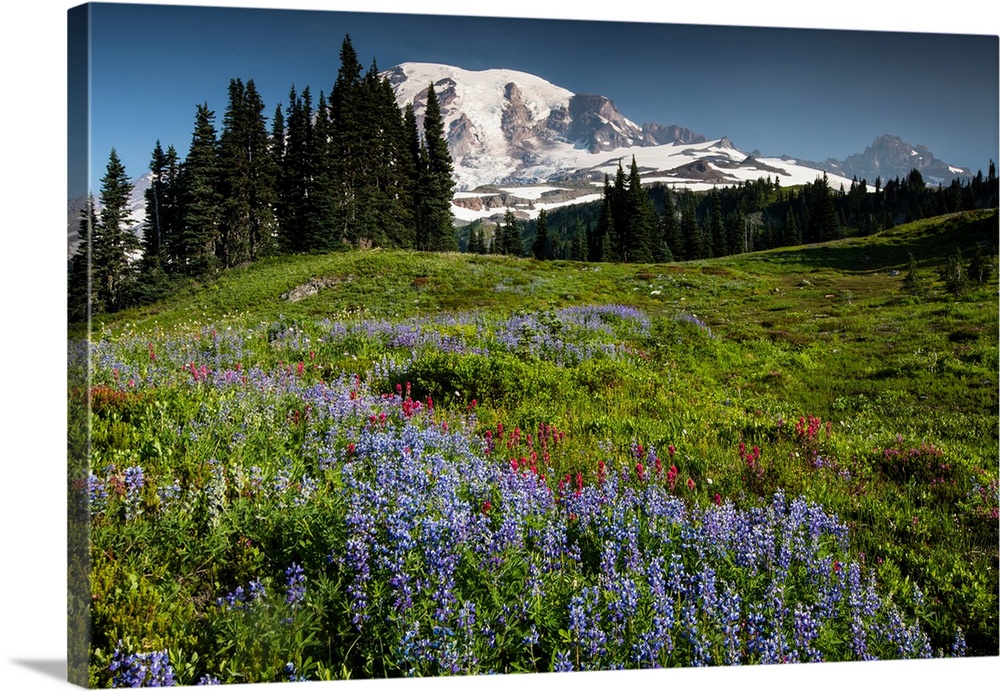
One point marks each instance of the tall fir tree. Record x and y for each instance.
(691, 232)
(412, 166)
(347, 147)
(622, 237)
(578, 246)
(299, 223)
(718, 244)
(247, 179)
(439, 233)
(540, 247)
(670, 246)
(606, 232)
(80, 296)
(511, 242)
(113, 244)
(641, 219)
(823, 221)
(194, 244)
(161, 208)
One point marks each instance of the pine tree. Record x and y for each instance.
(606, 230)
(619, 215)
(194, 243)
(347, 147)
(791, 235)
(540, 247)
(161, 208)
(412, 165)
(247, 179)
(578, 247)
(113, 244)
(693, 246)
(641, 219)
(670, 245)
(439, 233)
(477, 244)
(823, 220)
(512, 244)
(718, 245)
(80, 296)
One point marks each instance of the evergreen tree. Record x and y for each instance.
(619, 214)
(670, 247)
(161, 208)
(735, 231)
(80, 296)
(823, 220)
(511, 244)
(477, 244)
(412, 166)
(540, 247)
(717, 245)
(578, 247)
(641, 219)
(693, 246)
(792, 236)
(390, 169)
(194, 243)
(606, 232)
(302, 226)
(439, 232)
(113, 244)
(347, 147)
(247, 179)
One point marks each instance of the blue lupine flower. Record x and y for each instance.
(296, 582)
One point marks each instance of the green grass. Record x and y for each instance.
(739, 349)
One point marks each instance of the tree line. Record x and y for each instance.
(348, 169)
(637, 223)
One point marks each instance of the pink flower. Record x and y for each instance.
(690, 484)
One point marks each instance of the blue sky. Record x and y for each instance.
(808, 93)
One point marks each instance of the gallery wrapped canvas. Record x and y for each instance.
(434, 345)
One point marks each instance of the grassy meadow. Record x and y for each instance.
(390, 463)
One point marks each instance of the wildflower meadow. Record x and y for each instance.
(549, 485)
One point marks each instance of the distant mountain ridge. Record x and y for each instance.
(890, 157)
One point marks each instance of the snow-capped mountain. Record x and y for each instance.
(505, 126)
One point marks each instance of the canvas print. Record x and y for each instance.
(420, 346)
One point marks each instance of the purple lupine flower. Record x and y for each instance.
(137, 670)
(296, 584)
(562, 662)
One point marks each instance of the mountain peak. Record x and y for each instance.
(890, 157)
(507, 126)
